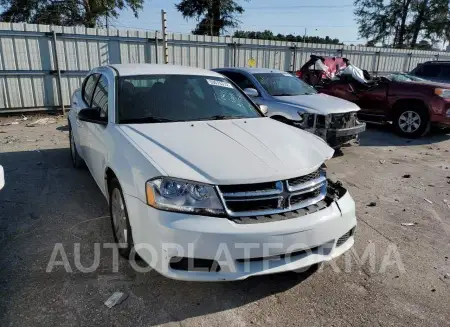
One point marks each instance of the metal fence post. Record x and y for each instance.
(294, 63)
(164, 36)
(234, 53)
(156, 46)
(58, 71)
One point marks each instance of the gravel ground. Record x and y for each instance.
(404, 282)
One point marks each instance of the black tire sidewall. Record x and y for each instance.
(424, 121)
(124, 252)
(77, 161)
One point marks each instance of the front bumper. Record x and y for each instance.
(337, 137)
(160, 236)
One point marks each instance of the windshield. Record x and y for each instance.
(169, 98)
(283, 84)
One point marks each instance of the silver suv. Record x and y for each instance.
(294, 102)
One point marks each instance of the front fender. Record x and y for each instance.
(130, 165)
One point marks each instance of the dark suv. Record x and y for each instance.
(436, 71)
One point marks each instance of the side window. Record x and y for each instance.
(100, 98)
(88, 88)
(429, 70)
(241, 80)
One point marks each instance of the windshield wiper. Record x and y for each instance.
(146, 120)
(282, 95)
(223, 117)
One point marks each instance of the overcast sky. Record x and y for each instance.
(319, 17)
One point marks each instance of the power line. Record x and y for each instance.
(299, 7)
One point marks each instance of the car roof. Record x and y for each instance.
(249, 70)
(437, 62)
(157, 69)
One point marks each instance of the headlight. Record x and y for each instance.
(443, 93)
(174, 194)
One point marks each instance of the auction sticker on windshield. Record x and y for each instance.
(219, 83)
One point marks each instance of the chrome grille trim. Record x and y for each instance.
(309, 184)
(283, 192)
(277, 190)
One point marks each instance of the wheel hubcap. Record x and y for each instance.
(119, 217)
(409, 121)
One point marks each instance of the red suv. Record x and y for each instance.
(412, 104)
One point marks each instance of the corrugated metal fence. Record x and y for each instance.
(28, 73)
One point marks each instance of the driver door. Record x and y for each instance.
(87, 93)
(97, 133)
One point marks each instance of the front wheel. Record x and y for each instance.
(412, 122)
(119, 219)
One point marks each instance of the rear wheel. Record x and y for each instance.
(412, 121)
(77, 161)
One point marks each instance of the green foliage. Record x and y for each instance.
(401, 23)
(268, 35)
(214, 16)
(65, 12)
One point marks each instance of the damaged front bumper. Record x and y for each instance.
(337, 137)
(338, 129)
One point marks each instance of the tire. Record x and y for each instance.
(412, 121)
(119, 219)
(77, 161)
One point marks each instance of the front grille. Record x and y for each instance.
(303, 179)
(243, 205)
(345, 237)
(295, 199)
(262, 199)
(345, 120)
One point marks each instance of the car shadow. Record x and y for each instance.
(47, 203)
(63, 128)
(383, 135)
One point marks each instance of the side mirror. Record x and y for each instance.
(92, 115)
(264, 109)
(251, 92)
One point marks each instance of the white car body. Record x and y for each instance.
(2, 177)
(218, 153)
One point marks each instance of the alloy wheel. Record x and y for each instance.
(119, 216)
(409, 121)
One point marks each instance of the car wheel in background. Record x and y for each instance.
(77, 161)
(412, 121)
(119, 219)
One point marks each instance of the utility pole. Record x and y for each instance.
(164, 36)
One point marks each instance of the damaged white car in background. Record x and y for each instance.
(199, 182)
(296, 103)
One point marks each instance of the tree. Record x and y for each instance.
(268, 35)
(400, 23)
(214, 16)
(65, 12)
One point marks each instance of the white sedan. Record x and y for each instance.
(199, 182)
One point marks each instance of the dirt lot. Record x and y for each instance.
(46, 201)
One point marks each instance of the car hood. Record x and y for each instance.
(319, 103)
(229, 151)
